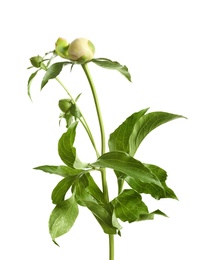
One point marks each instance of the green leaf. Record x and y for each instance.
(74, 110)
(116, 223)
(61, 170)
(68, 118)
(150, 216)
(63, 217)
(120, 180)
(128, 206)
(128, 165)
(129, 135)
(155, 191)
(59, 192)
(89, 196)
(87, 190)
(52, 72)
(78, 96)
(148, 123)
(79, 188)
(32, 76)
(109, 64)
(159, 212)
(120, 139)
(103, 217)
(93, 189)
(162, 176)
(67, 151)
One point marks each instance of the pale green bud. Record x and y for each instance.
(61, 48)
(81, 50)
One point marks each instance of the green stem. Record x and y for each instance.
(103, 147)
(111, 247)
(81, 119)
(103, 150)
(103, 143)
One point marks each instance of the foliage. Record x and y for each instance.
(123, 143)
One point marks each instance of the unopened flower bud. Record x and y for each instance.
(65, 105)
(81, 50)
(36, 61)
(61, 48)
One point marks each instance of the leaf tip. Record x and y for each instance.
(55, 243)
(119, 233)
(29, 95)
(36, 168)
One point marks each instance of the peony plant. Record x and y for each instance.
(77, 177)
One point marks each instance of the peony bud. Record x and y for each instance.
(36, 61)
(61, 48)
(81, 50)
(65, 105)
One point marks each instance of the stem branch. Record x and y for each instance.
(82, 118)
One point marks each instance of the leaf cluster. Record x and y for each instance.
(78, 177)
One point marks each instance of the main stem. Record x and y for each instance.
(103, 150)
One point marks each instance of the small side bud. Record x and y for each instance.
(36, 61)
(65, 105)
(61, 48)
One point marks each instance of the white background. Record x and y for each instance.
(162, 44)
